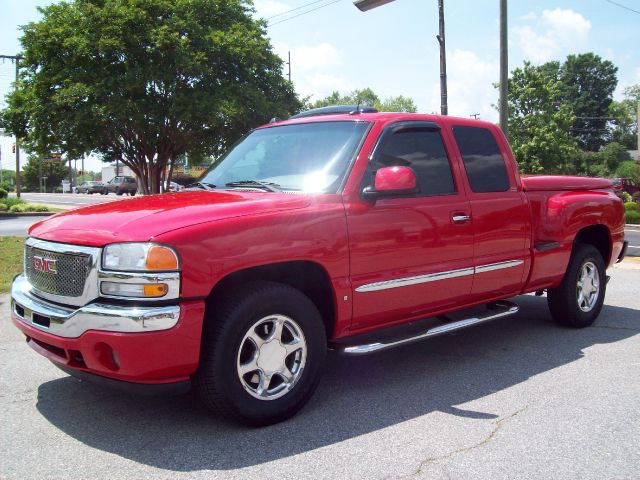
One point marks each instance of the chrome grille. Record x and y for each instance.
(72, 272)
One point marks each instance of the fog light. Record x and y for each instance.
(138, 290)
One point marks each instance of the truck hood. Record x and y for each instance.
(143, 218)
(562, 182)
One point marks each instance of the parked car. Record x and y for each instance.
(337, 228)
(89, 187)
(174, 187)
(121, 185)
(626, 185)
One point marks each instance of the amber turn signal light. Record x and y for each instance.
(161, 258)
(155, 290)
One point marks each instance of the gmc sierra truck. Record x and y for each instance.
(340, 228)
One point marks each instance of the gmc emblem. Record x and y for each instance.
(45, 265)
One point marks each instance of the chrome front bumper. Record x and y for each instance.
(73, 322)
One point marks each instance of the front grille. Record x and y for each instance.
(72, 271)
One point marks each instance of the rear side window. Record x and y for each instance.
(482, 159)
(423, 151)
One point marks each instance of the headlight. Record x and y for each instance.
(139, 257)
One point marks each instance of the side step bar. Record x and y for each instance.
(496, 310)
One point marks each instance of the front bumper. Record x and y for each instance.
(141, 345)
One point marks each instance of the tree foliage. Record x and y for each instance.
(588, 83)
(623, 118)
(539, 123)
(146, 81)
(368, 97)
(55, 173)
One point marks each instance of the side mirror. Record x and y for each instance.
(390, 181)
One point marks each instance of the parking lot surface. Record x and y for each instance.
(516, 398)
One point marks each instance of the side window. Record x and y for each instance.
(482, 159)
(423, 151)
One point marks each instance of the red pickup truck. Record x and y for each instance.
(339, 228)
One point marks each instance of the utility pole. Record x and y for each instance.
(504, 70)
(444, 108)
(289, 64)
(16, 59)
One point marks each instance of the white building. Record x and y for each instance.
(109, 172)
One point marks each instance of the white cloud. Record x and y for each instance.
(311, 58)
(555, 32)
(319, 85)
(470, 88)
(313, 69)
(269, 8)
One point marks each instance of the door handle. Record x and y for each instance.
(460, 218)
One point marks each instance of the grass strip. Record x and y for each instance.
(11, 249)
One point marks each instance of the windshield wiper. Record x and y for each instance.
(267, 186)
(202, 185)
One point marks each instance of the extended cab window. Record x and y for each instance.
(423, 151)
(482, 159)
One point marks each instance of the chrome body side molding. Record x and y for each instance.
(434, 277)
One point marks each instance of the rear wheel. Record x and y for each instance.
(262, 354)
(578, 300)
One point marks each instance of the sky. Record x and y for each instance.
(393, 50)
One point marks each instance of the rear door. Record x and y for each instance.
(499, 213)
(410, 254)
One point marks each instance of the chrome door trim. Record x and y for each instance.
(435, 277)
(407, 281)
(490, 267)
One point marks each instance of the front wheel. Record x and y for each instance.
(262, 354)
(578, 300)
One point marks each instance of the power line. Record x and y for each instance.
(622, 6)
(303, 13)
(294, 9)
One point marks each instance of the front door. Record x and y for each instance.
(410, 255)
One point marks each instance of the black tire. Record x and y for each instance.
(118, 191)
(104, 192)
(567, 306)
(132, 194)
(218, 381)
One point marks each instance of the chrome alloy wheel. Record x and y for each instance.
(271, 358)
(588, 287)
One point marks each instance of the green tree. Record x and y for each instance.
(368, 97)
(146, 81)
(629, 169)
(588, 84)
(54, 171)
(539, 124)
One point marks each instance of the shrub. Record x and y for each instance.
(633, 217)
(3, 207)
(11, 201)
(625, 196)
(3, 193)
(631, 206)
(636, 197)
(18, 208)
(36, 208)
(5, 186)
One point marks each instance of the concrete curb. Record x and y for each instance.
(26, 214)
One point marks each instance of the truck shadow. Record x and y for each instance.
(357, 395)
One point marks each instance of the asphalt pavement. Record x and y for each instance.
(69, 200)
(518, 398)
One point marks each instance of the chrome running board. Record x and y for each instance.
(494, 311)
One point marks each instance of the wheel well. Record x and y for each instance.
(308, 277)
(598, 236)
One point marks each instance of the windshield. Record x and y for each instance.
(307, 157)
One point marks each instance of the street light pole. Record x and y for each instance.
(444, 108)
(16, 59)
(365, 5)
(504, 70)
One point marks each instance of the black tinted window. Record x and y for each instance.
(482, 159)
(422, 151)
